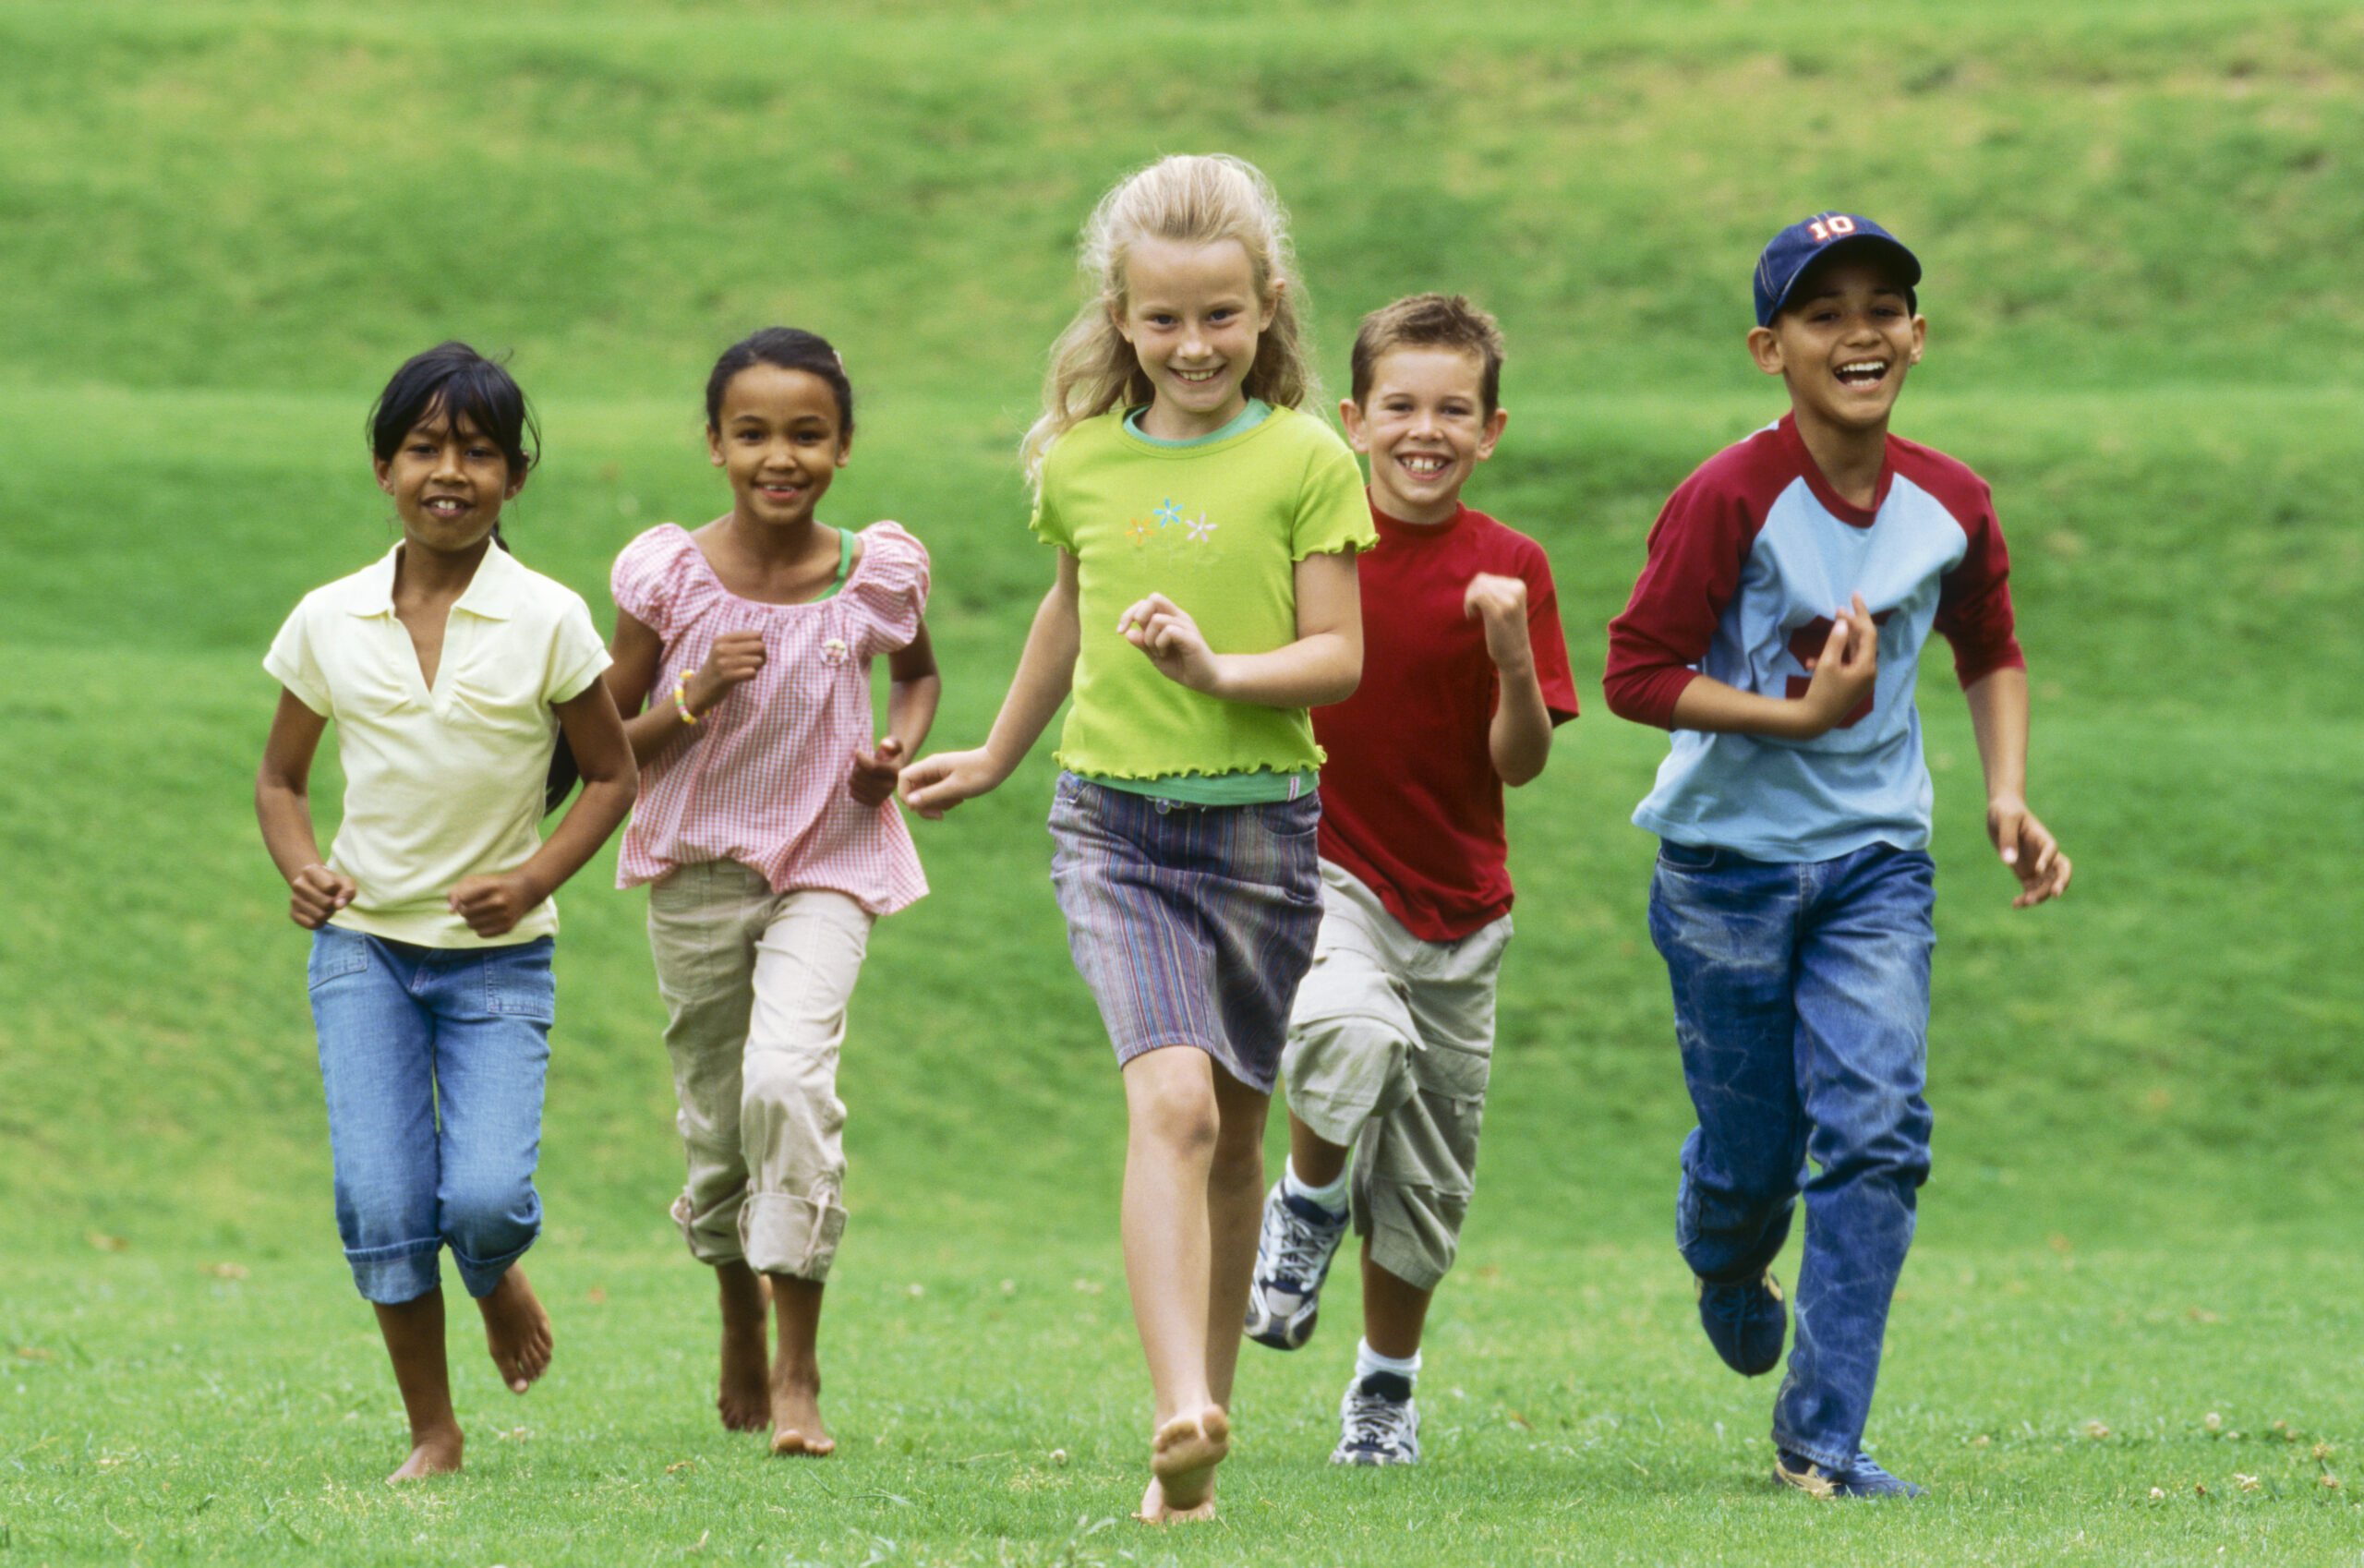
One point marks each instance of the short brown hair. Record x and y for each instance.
(1431, 321)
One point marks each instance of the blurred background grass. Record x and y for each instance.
(226, 222)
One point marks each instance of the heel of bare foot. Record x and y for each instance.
(743, 1397)
(1183, 1456)
(1155, 1510)
(797, 1426)
(516, 1331)
(431, 1453)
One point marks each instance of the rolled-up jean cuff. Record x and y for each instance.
(390, 1275)
(482, 1276)
(787, 1235)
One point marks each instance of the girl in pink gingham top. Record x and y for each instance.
(768, 836)
(766, 783)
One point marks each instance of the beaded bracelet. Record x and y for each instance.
(681, 697)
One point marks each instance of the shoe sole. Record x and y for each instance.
(1280, 1334)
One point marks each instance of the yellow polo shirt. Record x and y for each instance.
(444, 783)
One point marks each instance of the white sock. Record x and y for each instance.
(1367, 1361)
(1332, 1198)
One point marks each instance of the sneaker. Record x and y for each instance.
(1378, 1423)
(1746, 1320)
(1862, 1478)
(1292, 1259)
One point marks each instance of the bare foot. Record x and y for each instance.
(517, 1332)
(744, 1396)
(1154, 1510)
(1183, 1456)
(432, 1454)
(797, 1426)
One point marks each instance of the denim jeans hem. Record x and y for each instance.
(388, 1276)
(482, 1277)
(1829, 1458)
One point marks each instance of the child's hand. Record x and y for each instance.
(1499, 603)
(735, 656)
(1846, 670)
(2027, 847)
(493, 905)
(1164, 631)
(933, 785)
(316, 894)
(875, 772)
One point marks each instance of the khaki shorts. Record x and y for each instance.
(1388, 1051)
(755, 984)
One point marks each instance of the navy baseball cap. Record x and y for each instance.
(1800, 244)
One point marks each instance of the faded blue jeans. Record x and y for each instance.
(433, 1059)
(1802, 1008)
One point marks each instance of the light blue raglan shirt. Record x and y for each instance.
(1746, 563)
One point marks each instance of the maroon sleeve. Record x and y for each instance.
(1545, 637)
(1696, 549)
(1974, 600)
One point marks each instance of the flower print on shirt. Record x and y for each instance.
(1170, 535)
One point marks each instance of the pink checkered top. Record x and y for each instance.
(763, 779)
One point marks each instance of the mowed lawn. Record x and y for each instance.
(2128, 1330)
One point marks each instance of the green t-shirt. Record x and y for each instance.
(1218, 528)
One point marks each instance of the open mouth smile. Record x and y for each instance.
(1862, 373)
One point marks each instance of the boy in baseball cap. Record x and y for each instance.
(1777, 630)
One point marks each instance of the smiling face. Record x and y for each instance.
(449, 480)
(1843, 344)
(1192, 315)
(1424, 427)
(779, 439)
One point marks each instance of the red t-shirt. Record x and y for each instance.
(1410, 802)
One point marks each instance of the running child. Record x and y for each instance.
(1204, 600)
(766, 833)
(1776, 629)
(1392, 1034)
(450, 671)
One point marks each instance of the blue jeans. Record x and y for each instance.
(433, 1059)
(1802, 1008)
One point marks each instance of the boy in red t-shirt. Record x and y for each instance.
(1465, 677)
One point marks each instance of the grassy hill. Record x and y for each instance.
(226, 223)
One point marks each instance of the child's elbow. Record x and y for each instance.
(1345, 674)
(1639, 697)
(1521, 772)
(1339, 689)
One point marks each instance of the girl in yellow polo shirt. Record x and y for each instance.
(450, 671)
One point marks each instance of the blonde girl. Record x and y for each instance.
(1205, 598)
(767, 831)
(452, 672)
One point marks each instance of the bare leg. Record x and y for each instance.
(414, 1335)
(1235, 1214)
(797, 1426)
(516, 1331)
(745, 1396)
(1173, 1129)
(1316, 1161)
(1393, 1312)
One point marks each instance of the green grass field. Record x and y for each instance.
(2137, 1278)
